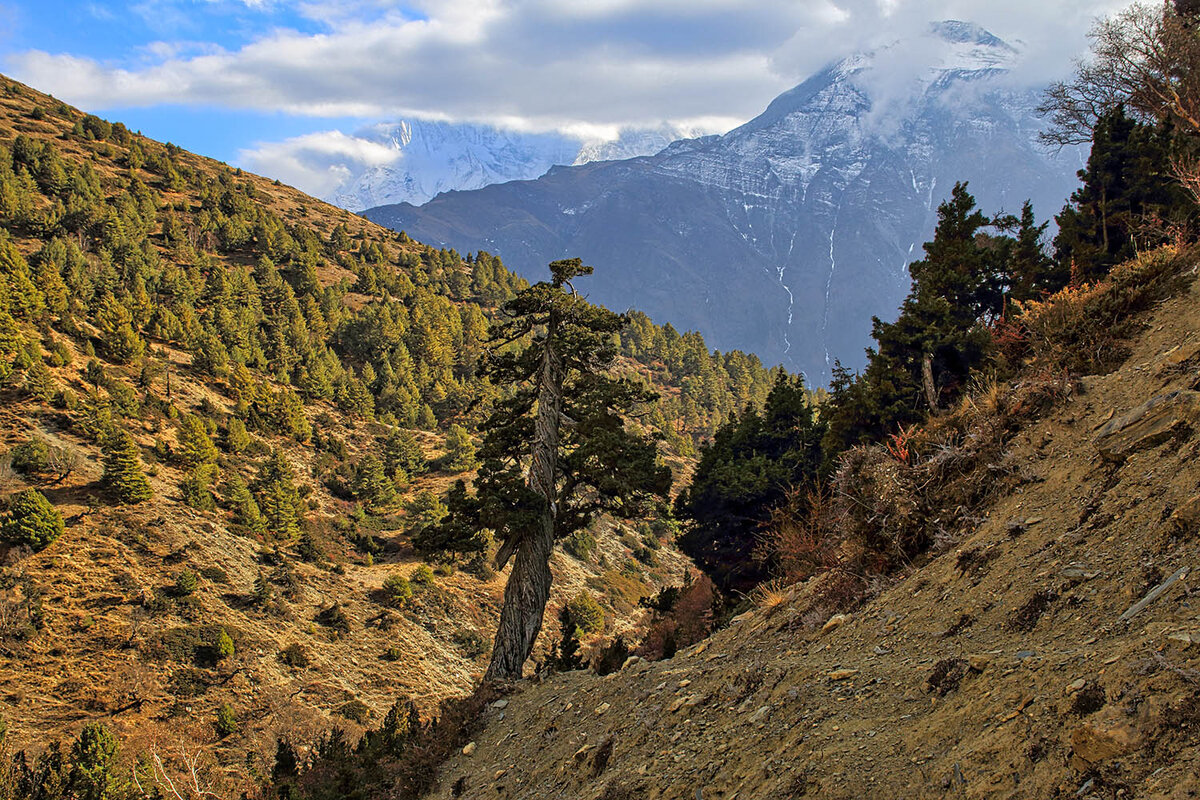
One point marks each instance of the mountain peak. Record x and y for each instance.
(960, 32)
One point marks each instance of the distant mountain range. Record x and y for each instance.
(431, 157)
(786, 235)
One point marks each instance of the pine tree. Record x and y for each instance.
(402, 454)
(123, 476)
(278, 499)
(372, 485)
(460, 450)
(575, 471)
(195, 446)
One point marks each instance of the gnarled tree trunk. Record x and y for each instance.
(528, 587)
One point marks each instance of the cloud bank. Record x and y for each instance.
(541, 65)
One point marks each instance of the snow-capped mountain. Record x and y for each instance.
(425, 158)
(788, 234)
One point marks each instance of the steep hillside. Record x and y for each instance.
(242, 403)
(1048, 646)
(812, 210)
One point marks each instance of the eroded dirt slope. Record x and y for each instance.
(1002, 668)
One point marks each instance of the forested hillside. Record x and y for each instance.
(229, 411)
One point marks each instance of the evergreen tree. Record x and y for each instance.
(742, 475)
(574, 472)
(278, 499)
(93, 764)
(32, 521)
(460, 450)
(372, 485)
(1127, 180)
(196, 448)
(123, 475)
(402, 454)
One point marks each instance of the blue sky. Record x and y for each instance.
(234, 78)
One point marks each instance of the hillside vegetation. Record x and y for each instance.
(228, 412)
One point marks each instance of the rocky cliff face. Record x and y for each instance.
(786, 235)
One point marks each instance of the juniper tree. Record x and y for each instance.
(556, 451)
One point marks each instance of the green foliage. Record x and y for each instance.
(397, 590)
(226, 723)
(402, 454)
(745, 471)
(31, 521)
(196, 487)
(123, 476)
(195, 446)
(372, 485)
(356, 711)
(278, 499)
(186, 583)
(93, 764)
(223, 647)
(460, 450)
(294, 655)
(237, 439)
(586, 612)
(1127, 180)
(565, 656)
(422, 576)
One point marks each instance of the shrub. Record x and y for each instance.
(471, 642)
(581, 544)
(93, 761)
(226, 723)
(294, 655)
(32, 521)
(422, 576)
(588, 616)
(223, 647)
(335, 619)
(397, 590)
(32, 457)
(186, 583)
(355, 711)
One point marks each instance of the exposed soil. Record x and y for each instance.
(997, 669)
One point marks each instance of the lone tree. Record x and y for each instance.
(556, 451)
(123, 475)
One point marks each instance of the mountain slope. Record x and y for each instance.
(809, 213)
(290, 379)
(1050, 650)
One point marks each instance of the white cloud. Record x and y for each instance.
(546, 64)
(318, 163)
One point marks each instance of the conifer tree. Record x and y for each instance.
(123, 476)
(278, 499)
(372, 485)
(540, 479)
(32, 521)
(460, 450)
(195, 446)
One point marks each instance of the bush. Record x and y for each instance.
(588, 616)
(471, 642)
(397, 590)
(335, 619)
(223, 647)
(226, 723)
(32, 457)
(422, 576)
(294, 655)
(32, 521)
(186, 583)
(356, 711)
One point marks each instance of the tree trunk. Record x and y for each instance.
(927, 379)
(528, 587)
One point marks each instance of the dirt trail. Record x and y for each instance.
(999, 669)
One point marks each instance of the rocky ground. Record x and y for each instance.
(1054, 651)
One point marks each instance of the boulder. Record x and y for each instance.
(1148, 425)
(1106, 736)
